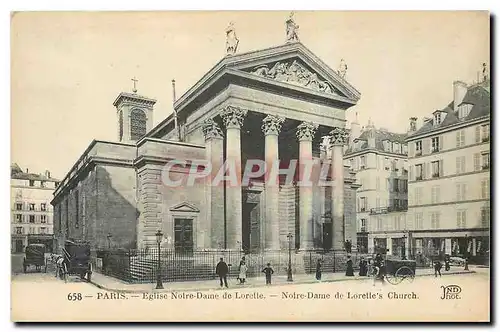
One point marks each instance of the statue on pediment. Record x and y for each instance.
(291, 30)
(342, 68)
(231, 40)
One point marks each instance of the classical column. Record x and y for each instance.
(271, 126)
(305, 135)
(233, 120)
(214, 145)
(338, 139)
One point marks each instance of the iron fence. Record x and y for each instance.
(141, 265)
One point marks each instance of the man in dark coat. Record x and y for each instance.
(221, 270)
(318, 270)
(349, 270)
(363, 267)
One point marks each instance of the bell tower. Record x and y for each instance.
(134, 114)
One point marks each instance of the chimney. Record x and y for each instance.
(47, 174)
(371, 138)
(355, 131)
(27, 170)
(413, 125)
(459, 91)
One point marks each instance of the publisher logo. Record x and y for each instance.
(451, 292)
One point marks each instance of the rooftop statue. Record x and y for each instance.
(231, 40)
(291, 30)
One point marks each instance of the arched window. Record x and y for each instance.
(120, 126)
(137, 124)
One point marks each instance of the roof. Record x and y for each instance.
(380, 137)
(17, 173)
(477, 95)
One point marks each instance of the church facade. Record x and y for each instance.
(281, 106)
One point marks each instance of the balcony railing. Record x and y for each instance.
(486, 166)
(419, 178)
(418, 153)
(435, 149)
(389, 209)
(363, 209)
(486, 139)
(435, 175)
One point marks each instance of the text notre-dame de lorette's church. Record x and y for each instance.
(277, 105)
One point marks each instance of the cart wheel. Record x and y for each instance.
(405, 273)
(393, 279)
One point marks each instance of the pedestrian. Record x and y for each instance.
(243, 272)
(363, 268)
(349, 272)
(378, 264)
(437, 268)
(221, 270)
(318, 269)
(447, 263)
(268, 270)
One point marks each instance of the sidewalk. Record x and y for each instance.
(116, 285)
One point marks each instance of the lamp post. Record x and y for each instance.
(466, 253)
(109, 240)
(159, 284)
(289, 237)
(403, 249)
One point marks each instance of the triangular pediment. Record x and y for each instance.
(296, 65)
(184, 207)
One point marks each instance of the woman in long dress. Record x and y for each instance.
(362, 267)
(243, 272)
(349, 271)
(318, 270)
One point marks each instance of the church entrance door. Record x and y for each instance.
(183, 232)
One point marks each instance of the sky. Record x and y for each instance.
(67, 68)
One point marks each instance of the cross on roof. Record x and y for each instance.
(135, 81)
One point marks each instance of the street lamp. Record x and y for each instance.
(403, 249)
(289, 237)
(159, 284)
(466, 253)
(109, 240)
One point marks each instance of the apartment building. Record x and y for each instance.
(31, 212)
(449, 177)
(379, 159)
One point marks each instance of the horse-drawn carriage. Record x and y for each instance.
(34, 254)
(76, 260)
(395, 270)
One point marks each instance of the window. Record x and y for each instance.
(42, 230)
(395, 165)
(437, 118)
(419, 169)
(363, 204)
(485, 188)
(351, 161)
(120, 125)
(461, 190)
(418, 148)
(386, 164)
(380, 225)
(31, 230)
(32, 207)
(485, 216)
(464, 110)
(419, 220)
(485, 160)
(377, 202)
(460, 138)
(32, 183)
(435, 220)
(43, 219)
(396, 185)
(363, 225)
(377, 183)
(478, 134)
(56, 184)
(435, 144)
(19, 206)
(19, 217)
(418, 196)
(32, 218)
(460, 161)
(77, 210)
(435, 193)
(362, 162)
(43, 207)
(485, 132)
(435, 169)
(477, 161)
(137, 124)
(462, 219)
(42, 184)
(19, 230)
